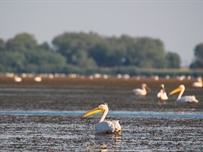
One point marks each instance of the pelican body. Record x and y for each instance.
(38, 79)
(17, 79)
(162, 94)
(141, 92)
(104, 127)
(181, 89)
(199, 83)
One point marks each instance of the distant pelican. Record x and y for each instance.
(104, 127)
(162, 94)
(119, 76)
(17, 79)
(181, 78)
(126, 76)
(181, 89)
(167, 77)
(199, 82)
(156, 77)
(38, 79)
(142, 91)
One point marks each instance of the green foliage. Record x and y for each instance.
(2, 45)
(71, 44)
(199, 51)
(84, 53)
(82, 60)
(198, 63)
(21, 42)
(44, 46)
(173, 60)
(12, 61)
(148, 53)
(45, 61)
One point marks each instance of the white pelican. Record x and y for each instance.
(38, 78)
(162, 94)
(17, 79)
(181, 89)
(142, 91)
(105, 127)
(199, 83)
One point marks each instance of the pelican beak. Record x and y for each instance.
(92, 112)
(175, 91)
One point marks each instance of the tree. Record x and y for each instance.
(44, 46)
(198, 52)
(146, 53)
(85, 51)
(2, 45)
(45, 61)
(99, 54)
(173, 60)
(81, 59)
(75, 47)
(12, 61)
(22, 42)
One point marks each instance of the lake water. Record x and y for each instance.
(46, 116)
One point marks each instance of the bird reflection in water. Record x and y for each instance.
(105, 140)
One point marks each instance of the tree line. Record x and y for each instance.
(82, 52)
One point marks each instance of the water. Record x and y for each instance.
(143, 114)
(46, 116)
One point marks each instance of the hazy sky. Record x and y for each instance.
(178, 23)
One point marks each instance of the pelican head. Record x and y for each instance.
(179, 89)
(106, 127)
(102, 108)
(145, 86)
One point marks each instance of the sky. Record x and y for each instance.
(178, 23)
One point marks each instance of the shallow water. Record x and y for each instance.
(143, 114)
(46, 116)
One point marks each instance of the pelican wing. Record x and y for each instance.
(108, 127)
(165, 97)
(159, 94)
(139, 92)
(190, 99)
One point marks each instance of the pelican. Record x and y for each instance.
(104, 127)
(199, 83)
(142, 91)
(162, 94)
(38, 79)
(181, 89)
(17, 79)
